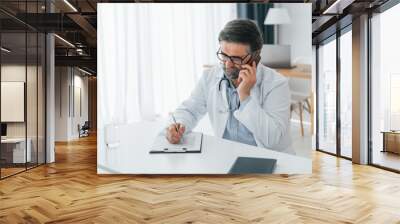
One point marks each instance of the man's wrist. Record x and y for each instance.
(243, 96)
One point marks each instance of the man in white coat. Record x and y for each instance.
(246, 101)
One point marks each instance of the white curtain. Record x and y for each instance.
(151, 55)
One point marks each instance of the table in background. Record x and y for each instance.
(13, 150)
(391, 141)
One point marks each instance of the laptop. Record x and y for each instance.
(247, 165)
(276, 56)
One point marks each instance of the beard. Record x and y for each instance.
(231, 73)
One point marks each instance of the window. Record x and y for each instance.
(333, 137)
(394, 101)
(385, 89)
(346, 94)
(327, 97)
(22, 76)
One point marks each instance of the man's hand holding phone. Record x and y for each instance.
(246, 80)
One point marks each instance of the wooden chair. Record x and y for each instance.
(300, 96)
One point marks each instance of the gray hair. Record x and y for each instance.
(242, 31)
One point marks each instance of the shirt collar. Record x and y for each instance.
(231, 86)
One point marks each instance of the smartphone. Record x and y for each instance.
(236, 74)
(256, 59)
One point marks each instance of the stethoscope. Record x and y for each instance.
(229, 109)
(229, 85)
(224, 78)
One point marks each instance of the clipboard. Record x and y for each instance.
(190, 143)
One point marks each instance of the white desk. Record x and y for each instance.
(217, 156)
(19, 149)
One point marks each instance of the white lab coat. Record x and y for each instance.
(266, 115)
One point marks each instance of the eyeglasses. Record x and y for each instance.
(234, 59)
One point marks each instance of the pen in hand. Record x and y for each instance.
(175, 131)
(176, 124)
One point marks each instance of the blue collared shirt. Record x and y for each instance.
(235, 130)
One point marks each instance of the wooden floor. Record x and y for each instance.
(387, 159)
(10, 171)
(70, 191)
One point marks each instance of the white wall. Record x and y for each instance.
(15, 72)
(68, 82)
(61, 103)
(33, 126)
(298, 33)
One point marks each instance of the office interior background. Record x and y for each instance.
(48, 78)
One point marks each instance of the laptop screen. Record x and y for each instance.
(276, 56)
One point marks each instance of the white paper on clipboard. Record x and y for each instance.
(190, 142)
